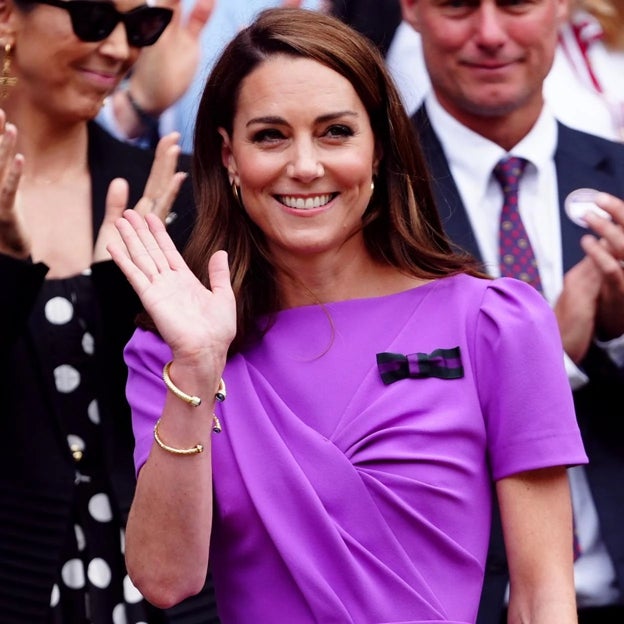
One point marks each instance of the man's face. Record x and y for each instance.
(487, 58)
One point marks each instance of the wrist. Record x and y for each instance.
(131, 119)
(148, 119)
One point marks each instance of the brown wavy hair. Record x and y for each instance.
(401, 226)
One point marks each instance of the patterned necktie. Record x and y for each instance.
(515, 252)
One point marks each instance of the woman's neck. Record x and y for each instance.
(311, 282)
(52, 152)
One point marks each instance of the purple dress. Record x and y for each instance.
(339, 498)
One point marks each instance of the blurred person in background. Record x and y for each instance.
(66, 473)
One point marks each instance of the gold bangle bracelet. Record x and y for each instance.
(195, 401)
(198, 448)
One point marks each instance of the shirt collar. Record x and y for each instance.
(474, 157)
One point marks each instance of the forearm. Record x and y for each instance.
(168, 532)
(551, 601)
(539, 546)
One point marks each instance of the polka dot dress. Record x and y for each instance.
(92, 585)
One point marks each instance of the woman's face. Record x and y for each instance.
(59, 72)
(302, 152)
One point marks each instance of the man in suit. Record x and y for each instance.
(487, 61)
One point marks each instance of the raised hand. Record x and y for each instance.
(161, 189)
(14, 240)
(165, 70)
(577, 306)
(607, 253)
(197, 323)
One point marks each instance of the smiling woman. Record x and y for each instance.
(66, 478)
(378, 387)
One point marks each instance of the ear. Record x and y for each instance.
(410, 13)
(227, 156)
(7, 21)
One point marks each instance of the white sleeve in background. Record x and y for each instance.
(576, 376)
(407, 66)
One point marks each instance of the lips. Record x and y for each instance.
(102, 78)
(489, 65)
(305, 203)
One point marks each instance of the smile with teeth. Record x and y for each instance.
(305, 203)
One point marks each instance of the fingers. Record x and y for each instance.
(13, 238)
(147, 249)
(604, 257)
(219, 273)
(12, 169)
(162, 205)
(8, 142)
(164, 181)
(199, 16)
(610, 230)
(116, 199)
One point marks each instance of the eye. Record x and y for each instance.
(267, 135)
(339, 130)
(515, 5)
(458, 8)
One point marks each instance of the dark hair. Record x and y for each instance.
(401, 226)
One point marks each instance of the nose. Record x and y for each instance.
(116, 44)
(305, 164)
(490, 25)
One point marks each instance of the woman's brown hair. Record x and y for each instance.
(401, 226)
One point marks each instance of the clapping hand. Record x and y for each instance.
(591, 303)
(13, 238)
(607, 252)
(196, 322)
(160, 191)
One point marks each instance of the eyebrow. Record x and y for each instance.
(274, 120)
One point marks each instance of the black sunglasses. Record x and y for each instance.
(94, 20)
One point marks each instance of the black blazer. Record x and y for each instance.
(36, 468)
(581, 160)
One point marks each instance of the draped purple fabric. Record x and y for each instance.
(342, 499)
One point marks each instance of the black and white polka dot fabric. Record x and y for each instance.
(92, 584)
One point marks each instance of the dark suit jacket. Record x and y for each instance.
(581, 160)
(36, 468)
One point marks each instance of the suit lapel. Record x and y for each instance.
(581, 163)
(450, 206)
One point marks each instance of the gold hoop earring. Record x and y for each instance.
(236, 193)
(6, 80)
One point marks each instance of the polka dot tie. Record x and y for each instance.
(515, 252)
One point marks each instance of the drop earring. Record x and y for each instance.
(236, 193)
(6, 80)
